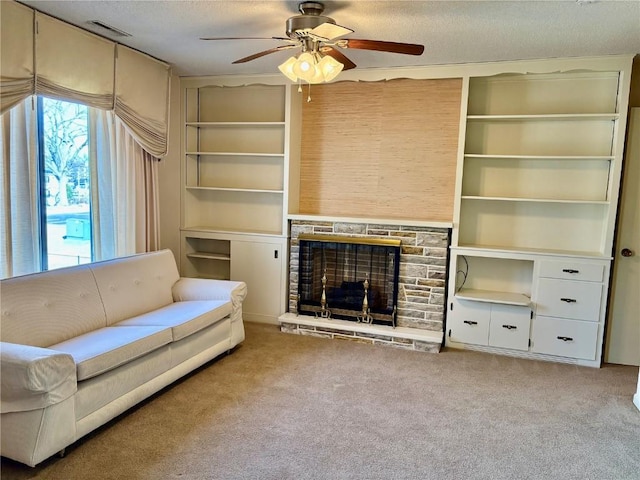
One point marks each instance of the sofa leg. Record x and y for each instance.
(62, 452)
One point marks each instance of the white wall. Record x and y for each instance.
(169, 178)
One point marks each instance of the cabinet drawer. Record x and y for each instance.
(567, 299)
(565, 338)
(469, 322)
(509, 327)
(586, 272)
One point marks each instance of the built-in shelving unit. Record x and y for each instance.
(235, 167)
(539, 172)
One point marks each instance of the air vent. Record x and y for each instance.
(109, 28)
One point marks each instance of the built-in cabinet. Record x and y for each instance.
(235, 161)
(539, 173)
(536, 192)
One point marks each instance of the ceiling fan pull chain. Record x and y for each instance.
(309, 94)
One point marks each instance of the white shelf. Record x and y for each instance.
(230, 189)
(234, 124)
(538, 157)
(486, 296)
(534, 200)
(237, 154)
(370, 220)
(492, 250)
(210, 256)
(227, 233)
(562, 116)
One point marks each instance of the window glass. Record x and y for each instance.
(64, 167)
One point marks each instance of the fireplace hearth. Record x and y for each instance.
(349, 278)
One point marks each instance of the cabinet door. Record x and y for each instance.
(260, 266)
(469, 322)
(509, 327)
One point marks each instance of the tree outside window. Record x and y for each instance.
(66, 189)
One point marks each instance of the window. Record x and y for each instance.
(65, 187)
(75, 187)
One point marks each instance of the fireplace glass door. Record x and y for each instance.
(336, 276)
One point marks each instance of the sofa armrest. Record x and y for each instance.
(207, 289)
(34, 377)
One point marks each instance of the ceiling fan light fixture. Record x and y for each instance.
(311, 67)
(287, 69)
(304, 66)
(329, 67)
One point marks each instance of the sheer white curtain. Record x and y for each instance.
(124, 189)
(19, 192)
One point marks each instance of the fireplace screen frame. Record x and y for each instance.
(335, 272)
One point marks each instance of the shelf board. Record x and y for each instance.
(489, 250)
(487, 296)
(538, 157)
(237, 154)
(235, 124)
(553, 116)
(210, 256)
(247, 190)
(534, 200)
(395, 222)
(209, 229)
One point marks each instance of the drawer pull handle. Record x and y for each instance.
(470, 322)
(570, 270)
(569, 300)
(566, 339)
(509, 327)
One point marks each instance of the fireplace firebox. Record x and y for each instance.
(349, 278)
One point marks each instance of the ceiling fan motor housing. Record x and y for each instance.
(311, 18)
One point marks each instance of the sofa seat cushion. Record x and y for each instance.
(107, 348)
(183, 318)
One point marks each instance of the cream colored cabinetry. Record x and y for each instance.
(235, 160)
(492, 324)
(539, 172)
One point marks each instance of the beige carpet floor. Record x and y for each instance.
(288, 407)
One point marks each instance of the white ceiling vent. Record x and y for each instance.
(108, 29)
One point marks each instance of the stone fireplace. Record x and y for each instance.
(418, 319)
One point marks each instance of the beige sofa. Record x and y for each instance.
(81, 345)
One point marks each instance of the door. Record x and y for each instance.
(260, 266)
(623, 331)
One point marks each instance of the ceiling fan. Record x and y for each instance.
(318, 38)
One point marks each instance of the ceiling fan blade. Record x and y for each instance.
(246, 38)
(339, 56)
(263, 53)
(393, 47)
(330, 31)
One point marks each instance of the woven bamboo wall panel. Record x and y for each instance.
(381, 149)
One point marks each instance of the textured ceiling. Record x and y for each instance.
(452, 31)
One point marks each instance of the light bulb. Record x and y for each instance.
(304, 66)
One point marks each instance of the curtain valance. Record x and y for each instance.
(142, 98)
(16, 54)
(75, 65)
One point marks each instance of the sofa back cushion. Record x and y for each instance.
(134, 285)
(46, 308)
